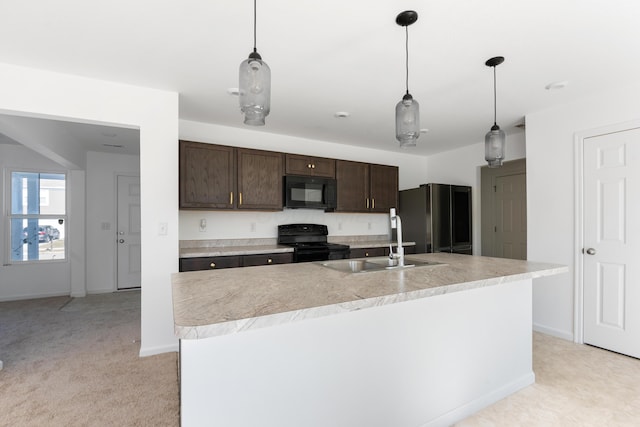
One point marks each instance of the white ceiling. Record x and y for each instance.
(336, 55)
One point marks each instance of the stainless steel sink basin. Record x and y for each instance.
(363, 265)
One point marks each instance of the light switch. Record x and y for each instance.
(162, 229)
(203, 224)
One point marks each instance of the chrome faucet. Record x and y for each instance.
(396, 223)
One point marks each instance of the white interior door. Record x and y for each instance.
(511, 216)
(611, 235)
(129, 259)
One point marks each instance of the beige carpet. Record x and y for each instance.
(576, 385)
(74, 362)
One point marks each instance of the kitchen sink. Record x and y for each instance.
(364, 265)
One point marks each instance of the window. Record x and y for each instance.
(38, 216)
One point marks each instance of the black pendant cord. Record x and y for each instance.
(254, 26)
(406, 28)
(495, 107)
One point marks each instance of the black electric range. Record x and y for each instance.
(310, 242)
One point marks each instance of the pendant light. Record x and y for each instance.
(494, 140)
(255, 85)
(407, 110)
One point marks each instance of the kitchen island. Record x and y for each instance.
(302, 344)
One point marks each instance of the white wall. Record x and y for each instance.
(28, 280)
(102, 170)
(232, 225)
(36, 93)
(551, 191)
(462, 167)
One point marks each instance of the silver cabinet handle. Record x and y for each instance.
(590, 251)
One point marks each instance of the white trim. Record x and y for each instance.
(579, 138)
(34, 296)
(578, 309)
(151, 351)
(474, 406)
(553, 332)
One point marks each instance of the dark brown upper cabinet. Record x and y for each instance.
(222, 177)
(296, 164)
(364, 187)
(259, 179)
(207, 176)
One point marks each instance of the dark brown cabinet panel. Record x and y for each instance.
(207, 175)
(267, 259)
(353, 186)
(233, 261)
(378, 251)
(222, 177)
(210, 263)
(369, 252)
(383, 187)
(310, 166)
(364, 187)
(259, 179)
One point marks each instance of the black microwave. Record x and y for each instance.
(309, 192)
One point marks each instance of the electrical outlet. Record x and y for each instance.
(203, 224)
(369, 226)
(339, 226)
(253, 227)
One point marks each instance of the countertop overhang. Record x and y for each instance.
(220, 302)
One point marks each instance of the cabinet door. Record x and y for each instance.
(369, 252)
(310, 166)
(353, 186)
(259, 179)
(384, 187)
(207, 176)
(267, 259)
(210, 263)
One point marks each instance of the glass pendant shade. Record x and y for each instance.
(255, 90)
(494, 143)
(407, 121)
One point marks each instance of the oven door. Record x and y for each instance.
(311, 254)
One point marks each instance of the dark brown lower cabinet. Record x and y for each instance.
(378, 251)
(232, 261)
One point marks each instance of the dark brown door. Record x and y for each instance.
(259, 179)
(310, 166)
(384, 187)
(207, 175)
(353, 186)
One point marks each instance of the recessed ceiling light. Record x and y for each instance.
(424, 130)
(233, 91)
(113, 145)
(341, 114)
(556, 85)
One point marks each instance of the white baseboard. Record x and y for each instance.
(489, 399)
(553, 332)
(151, 351)
(34, 296)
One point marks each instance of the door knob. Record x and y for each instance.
(121, 240)
(590, 251)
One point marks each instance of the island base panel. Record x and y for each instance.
(426, 362)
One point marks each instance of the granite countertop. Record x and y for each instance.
(212, 303)
(229, 247)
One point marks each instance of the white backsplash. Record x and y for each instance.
(257, 225)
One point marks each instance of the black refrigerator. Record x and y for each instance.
(437, 217)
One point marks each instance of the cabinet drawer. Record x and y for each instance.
(267, 259)
(310, 166)
(209, 263)
(369, 252)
